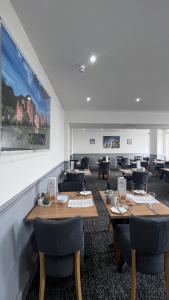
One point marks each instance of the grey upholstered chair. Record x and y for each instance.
(85, 162)
(144, 245)
(75, 177)
(67, 186)
(140, 180)
(105, 169)
(59, 244)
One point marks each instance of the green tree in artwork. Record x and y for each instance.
(26, 119)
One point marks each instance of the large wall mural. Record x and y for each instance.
(25, 105)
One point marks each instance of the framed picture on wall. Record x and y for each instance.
(129, 141)
(111, 142)
(24, 103)
(92, 141)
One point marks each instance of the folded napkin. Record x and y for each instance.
(139, 192)
(118, 210)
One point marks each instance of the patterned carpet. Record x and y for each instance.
(100, 279)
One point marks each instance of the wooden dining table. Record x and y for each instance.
(142, 210)
(86, 172)
(59, 211)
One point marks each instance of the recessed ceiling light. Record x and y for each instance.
(93, 59)
(138, 99)
(88, 99)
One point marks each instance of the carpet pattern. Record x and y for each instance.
(100, 279)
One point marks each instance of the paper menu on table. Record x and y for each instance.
(144, 200)
(75, 203)
(121, 185)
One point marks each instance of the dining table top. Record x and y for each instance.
(145, 210)
(86, 172)
(58, 211)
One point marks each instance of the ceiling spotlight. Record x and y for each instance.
(88, 99)
(82, 68)
(138, 99)
(93, 59)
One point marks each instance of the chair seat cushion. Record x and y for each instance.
(145, 263)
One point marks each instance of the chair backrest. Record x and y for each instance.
(59, 238)
(166, 164)
(67, 186)
(140, 177)
(133, 164)
(144, 164)
(137, 157)
(105, 165)
(149, 235)
(75, 177)
(146, 158)
(85, 162)
(125, 160)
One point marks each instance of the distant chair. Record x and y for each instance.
(75, 177)
(66, 186)
(125, 162)
(119, 160)
(140, 180)
(60, 244)
(133, 164)
(144, 164)
(85, 162)
(105, 169)
(146, 158)
(137, 157)
(166, 165)
(144, 245)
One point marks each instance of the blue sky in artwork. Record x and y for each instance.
(17, 73)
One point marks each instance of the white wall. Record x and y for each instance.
(140, 141)
(17, 171)
(115, 117)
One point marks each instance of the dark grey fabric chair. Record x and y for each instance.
(140, 180)
(85, 162)
(119, 160)
(75, 177)
(59, 244)
(125, 162)
(144, 245)
(105, 169)
(144, 164)
(67, 186)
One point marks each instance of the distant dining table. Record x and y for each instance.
(59, 211)
(128, 172)
(86, 172)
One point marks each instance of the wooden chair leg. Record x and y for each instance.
(77, 275)
(110, 228)
(166, 271)
(42, 276)
(133, 274)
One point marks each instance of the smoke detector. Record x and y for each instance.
(82, 68)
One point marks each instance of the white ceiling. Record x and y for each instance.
(130, 37)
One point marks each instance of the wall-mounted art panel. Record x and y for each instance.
(25, 105)
(111, 141)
